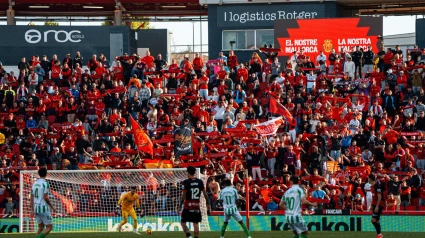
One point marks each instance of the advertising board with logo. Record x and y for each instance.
(315, 35)
(34, 36)
(390, 223)
(28, 41)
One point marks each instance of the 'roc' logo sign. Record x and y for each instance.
(34, 36)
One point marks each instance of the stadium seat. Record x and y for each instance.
(263, 173)
(51, 119)
(411, 208)
(414, 201)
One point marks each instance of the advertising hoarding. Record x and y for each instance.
(390, 223)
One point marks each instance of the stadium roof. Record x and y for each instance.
(96, 8)
(384, 7)
(180, 8)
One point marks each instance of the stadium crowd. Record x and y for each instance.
(353, 113)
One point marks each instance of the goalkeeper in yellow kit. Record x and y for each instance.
(126, 202)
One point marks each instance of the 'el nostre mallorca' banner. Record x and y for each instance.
(315, 35)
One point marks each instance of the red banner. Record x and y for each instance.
(62, 126)
(277, 108)
(269, 127)
(195, 164)
(315, 35)
(410, 133)
(235, 130)
(142, 141)
(241, 135)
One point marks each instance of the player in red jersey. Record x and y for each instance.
(377, 204)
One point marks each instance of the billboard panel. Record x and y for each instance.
(390, 223)
(27, 41)
(259, 15)
(315, 35)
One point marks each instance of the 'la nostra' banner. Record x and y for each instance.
(315, 35)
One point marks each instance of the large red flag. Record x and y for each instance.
(143, 142)
(277, 108)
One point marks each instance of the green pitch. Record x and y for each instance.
(269, 234)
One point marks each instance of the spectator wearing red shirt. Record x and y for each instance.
(203, 86)
(242, 73)
(198, 64)
(222, 88)
(187, 67)
(390, 203)
(93, 63)
(232, 60)
(387, 58)
(148, 59)
(402, 81)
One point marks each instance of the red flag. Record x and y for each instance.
(143, 142)
(277, 108)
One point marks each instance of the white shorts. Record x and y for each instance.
(299, 227)
(237, 216)
(44, 218)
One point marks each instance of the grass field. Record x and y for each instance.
(270, 234)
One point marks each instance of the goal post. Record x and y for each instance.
(85, 200)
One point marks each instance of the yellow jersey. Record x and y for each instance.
(128, 200)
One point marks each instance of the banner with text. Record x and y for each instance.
(263, 15)
(315, 35)
(390, 223)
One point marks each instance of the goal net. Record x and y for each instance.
(86, 200)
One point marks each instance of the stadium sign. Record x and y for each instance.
(160, 225)
(355, 224)
(265, 14)
(34, 36)
(261, 16)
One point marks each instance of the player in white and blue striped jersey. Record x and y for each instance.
(40, 204)
(229, 197)
(291, 202)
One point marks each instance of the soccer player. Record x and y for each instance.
(229, 197)
(40, 204)
(377, 204)
(291, 202)
(126, 201)
(191, 198)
